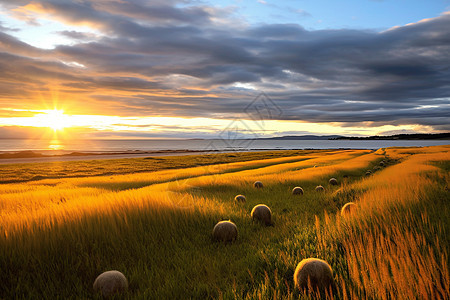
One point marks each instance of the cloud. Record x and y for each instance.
(178, 58)
(78, 35)
(6, 28)
(302, 13)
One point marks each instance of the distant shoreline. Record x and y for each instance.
(400, 137)
(404, 137)
(396, 137)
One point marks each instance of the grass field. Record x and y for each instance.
(152, 220)
(11, 173)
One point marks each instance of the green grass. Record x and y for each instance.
(168, 253)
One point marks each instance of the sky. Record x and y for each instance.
(195, 69)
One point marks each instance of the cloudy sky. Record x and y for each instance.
(168, 68)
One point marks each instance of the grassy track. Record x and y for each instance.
(57, 235)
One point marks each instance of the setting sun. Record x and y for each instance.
(55, 119)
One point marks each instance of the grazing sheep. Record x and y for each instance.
(348, 209)
(320, 188)
(239, 199)
(262, 213)
(225, 231)
(297, 191)
(258, 184)
(313, 272)
(333, 181)
(110, 282)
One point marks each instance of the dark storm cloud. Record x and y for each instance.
(176, 58)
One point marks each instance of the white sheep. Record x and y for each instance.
(297, 191)
(239, 199)
(333, 181)
(225, 231)
(262, 213)
(314, 273)
(110, 282)
(258, 184)
(348, 209)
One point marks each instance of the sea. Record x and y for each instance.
(107, 146)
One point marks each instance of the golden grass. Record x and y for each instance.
(391, 248)
(51, 201)
(54, 201)
(295, 171)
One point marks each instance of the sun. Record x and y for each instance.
(55, 119)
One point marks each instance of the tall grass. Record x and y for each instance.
(396, 247)
(52, 198)
(57, 235)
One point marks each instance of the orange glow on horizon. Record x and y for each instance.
(61, 123)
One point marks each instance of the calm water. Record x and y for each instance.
(206, 145)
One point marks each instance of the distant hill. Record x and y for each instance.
(417, 136)
(304, 137)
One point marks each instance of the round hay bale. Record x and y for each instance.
(368, 173)
(320, 188)
(348, 209)
(258, 184)
(110, 283)
(313, 272)
(297, 191)
(239, 199)
(225, 231)
(382, 163)
(315, 166)
(262, 213)
(333, 181)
